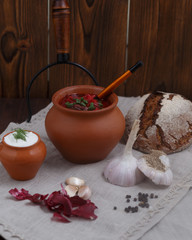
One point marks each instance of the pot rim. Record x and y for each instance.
(21, 148)
(57, 96)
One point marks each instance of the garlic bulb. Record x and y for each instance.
(156, 167)
(123, 171)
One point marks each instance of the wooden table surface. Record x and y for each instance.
(15, 110)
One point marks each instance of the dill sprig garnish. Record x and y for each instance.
(20, 134)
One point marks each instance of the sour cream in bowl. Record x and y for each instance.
(30, 139)
(22, 153)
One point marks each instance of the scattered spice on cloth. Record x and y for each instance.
(60, 203)
(141, 198)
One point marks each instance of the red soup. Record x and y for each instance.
(83, 102)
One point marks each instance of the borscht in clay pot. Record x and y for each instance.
(82, 128)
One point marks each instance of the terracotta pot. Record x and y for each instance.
(22, 163)
(84, 136)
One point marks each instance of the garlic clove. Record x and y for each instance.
(84, 192)
(74, 181)
(71, 190)
(156, 167)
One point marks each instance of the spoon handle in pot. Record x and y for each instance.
(61, 22)
(109, 89)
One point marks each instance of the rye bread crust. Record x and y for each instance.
(165, 122)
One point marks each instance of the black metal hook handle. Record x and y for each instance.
(59, 61)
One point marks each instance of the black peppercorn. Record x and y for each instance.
(127, 210)
(151, 195)
(128, 196)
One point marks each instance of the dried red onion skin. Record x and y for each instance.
(37, 198)
(24, 194)
(59, 217)
(77, 201)
(20, 194)
(86, 211)
(59, 202)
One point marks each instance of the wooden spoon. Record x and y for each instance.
(109, 89)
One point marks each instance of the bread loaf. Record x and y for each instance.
(166, 122)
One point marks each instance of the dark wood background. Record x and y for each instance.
(107, 37)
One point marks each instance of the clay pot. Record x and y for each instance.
(84, 136)
(22, 163)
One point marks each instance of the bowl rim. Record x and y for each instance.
(58, 95)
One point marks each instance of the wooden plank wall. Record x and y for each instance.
(98, 42)
(160, 33)
(23, 43)
(107, 37)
